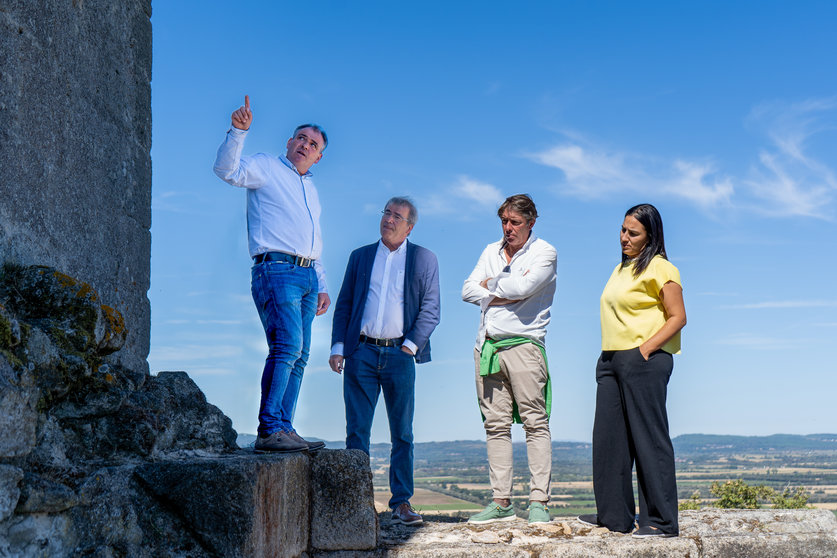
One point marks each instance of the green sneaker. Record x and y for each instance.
(493, 513)
(538, 513)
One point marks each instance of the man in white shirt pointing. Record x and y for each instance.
(288, 281)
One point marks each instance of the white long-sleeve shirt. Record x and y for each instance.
(383, 311)
(283, 208)
(528, 279)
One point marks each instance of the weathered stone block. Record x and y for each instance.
(708, 533)
(118, 517)
(40, 495)
(622, 547)
(768, 546)
(186, 420)
(110, 517)
(37, 535)
(762, 533)
(242, 505)
(18, 417)
(50, 453)
(342, 501)
(10, 478)
(73, 195)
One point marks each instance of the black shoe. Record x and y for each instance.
(590, 519)
(648, 532)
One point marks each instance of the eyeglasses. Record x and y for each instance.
(396, 217)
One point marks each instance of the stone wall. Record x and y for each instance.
(97, 459)
(706, 533)
(75, 139)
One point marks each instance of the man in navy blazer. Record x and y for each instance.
(386, 310)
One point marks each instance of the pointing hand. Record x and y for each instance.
(242, 117)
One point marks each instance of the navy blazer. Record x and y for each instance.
(421, 298)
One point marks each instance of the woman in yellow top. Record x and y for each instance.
(642, 313)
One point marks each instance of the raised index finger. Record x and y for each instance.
(247, 102)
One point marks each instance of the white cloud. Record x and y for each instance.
(695, 182)
(592, 172)
(480, 192)
(483, 194)
(788, 180)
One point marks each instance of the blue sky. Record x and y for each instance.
(722, 114)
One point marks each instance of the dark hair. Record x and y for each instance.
(317, 128)
(655, 245)
(520, 203)
(404, 200)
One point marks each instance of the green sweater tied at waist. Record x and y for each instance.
(490, 364)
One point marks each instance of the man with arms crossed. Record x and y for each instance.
(288, 280)
(386, 310)
(513, 284)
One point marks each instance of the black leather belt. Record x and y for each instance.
(380, 342)
(283, 257)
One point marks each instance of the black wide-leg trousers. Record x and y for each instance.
(631, 425)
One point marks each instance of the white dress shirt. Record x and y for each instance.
(383, 312)
(283, 208)
(528, 279)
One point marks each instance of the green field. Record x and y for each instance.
(452, 477)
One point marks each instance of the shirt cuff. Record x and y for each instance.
(491, 285)
(410, 345)
(237, 131)
(337, 349)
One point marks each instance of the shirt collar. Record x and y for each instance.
(525, 247)
(291, 166)
(400, 250)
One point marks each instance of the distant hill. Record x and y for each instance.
(714, 443)
(463, 451)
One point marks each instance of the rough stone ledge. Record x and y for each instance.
(708, 533)
(254, 505)
(236, 505)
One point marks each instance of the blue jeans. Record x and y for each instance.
(286, 298)
(368, 371)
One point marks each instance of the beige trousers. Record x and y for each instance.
(521, 379)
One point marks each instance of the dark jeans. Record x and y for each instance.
(369, 371)
(631, 425)
(286, 298)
